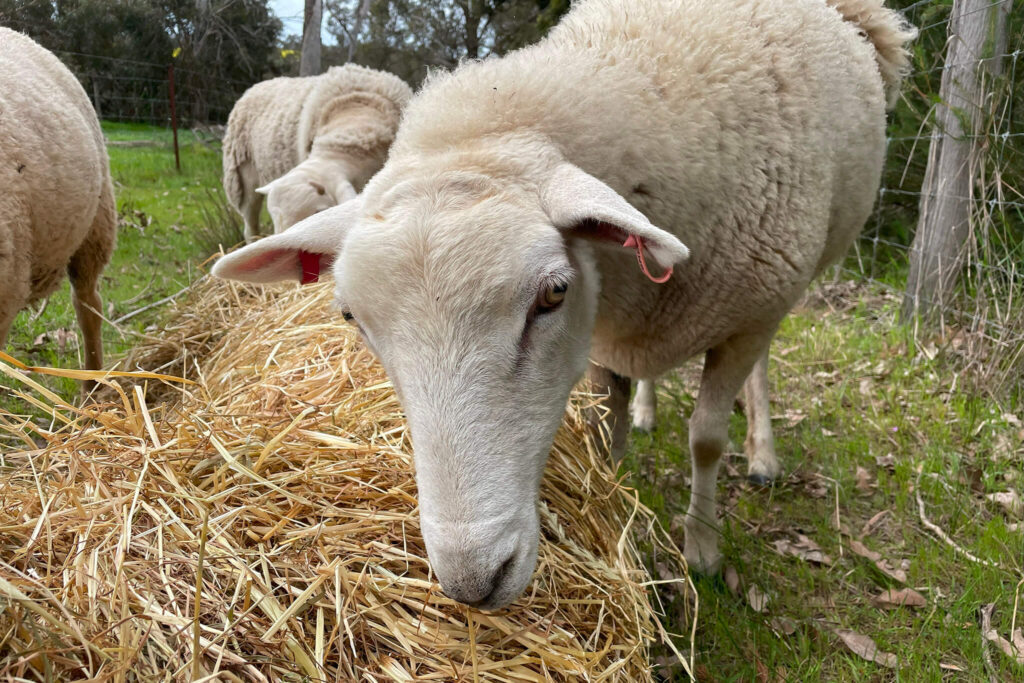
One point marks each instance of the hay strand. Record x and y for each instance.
(259, 523)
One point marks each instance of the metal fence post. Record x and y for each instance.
(174, 115)
(96, 97)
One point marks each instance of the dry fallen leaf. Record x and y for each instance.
(945, 666)
(897, 573)
(866, 648)
(816, 488)
(762, 672)
(905, 597)
(757, 598)
(972, 476)
(783, 626)
(63, 337)
(765, 675)
(990, 634)
(793, 417)
(1010, 501)
(888, 461)
(865, 482)
(804, 548)
(1003, 447)
(732, 580)
(859, 548)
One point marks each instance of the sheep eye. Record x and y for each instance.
(552, 297)
(347, 316)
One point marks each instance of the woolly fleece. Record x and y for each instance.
(57, 211)
(348, 114)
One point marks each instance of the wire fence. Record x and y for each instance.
(984, 321)
(988, 307)
(137, 91)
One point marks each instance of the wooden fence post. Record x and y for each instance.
(96, 97)
(977, 29)
(174, 116)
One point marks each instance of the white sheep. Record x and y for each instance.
(499, 245)
(57, 211)
(308, 143)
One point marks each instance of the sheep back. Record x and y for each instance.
(754, 130)
(262, 131)
(53, 170)
(356, 89)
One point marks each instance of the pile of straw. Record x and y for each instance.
(260, 524)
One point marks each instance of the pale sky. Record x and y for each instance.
(290, 14)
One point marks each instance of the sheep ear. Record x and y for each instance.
(265, 190)
(578, 202)
(343, 191)
(300, 253)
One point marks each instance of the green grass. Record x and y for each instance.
(849, 387)
(163, 237)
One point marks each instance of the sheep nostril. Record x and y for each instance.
(496, 581)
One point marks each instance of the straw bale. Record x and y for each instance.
(260, 524)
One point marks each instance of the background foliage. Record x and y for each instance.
(121, 50)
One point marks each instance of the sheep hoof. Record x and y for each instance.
(758, 479)
(701, 547)
(704, 564)
(644, 427)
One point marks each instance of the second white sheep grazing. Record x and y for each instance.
(499, 245)
(57, 212)
(309, 143)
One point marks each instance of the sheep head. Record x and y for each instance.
(479, 299)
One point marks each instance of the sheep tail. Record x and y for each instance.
(235, 155)
(889, 32)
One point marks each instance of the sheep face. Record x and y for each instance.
(483, 330)
(295, 196)
(480, 304)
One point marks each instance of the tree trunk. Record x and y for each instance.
(361, 13)
(977, 30)
(357, 28)
(472, 11)
(310, 64)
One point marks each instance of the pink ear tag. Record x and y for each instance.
(310, 263)
(638, 244)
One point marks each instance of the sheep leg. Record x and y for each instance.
(644, 407)
(615, 427)
(726, 366)
(762, 465)
(84, 270)
(252, 203)
(6, 320)
(16, 291)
